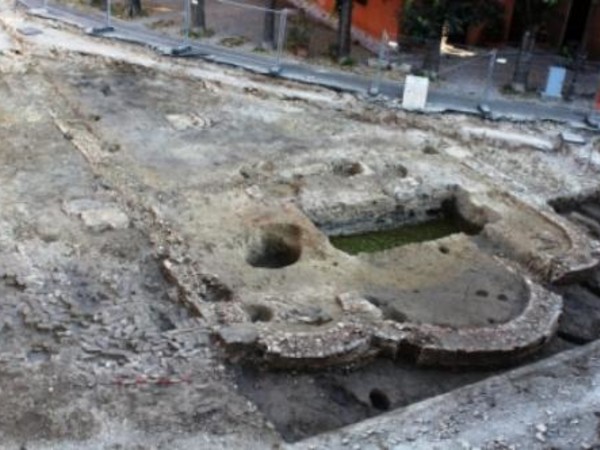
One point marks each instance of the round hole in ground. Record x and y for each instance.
(502, 297)
(443, 249)
(275, 247)
(430, 150)
(401, 171)
(379, 400)
(38, 355)
(391, 313)
(481, 293)
(348, 168)
(259, 313)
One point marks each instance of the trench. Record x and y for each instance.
(581, 317)
(436, 216)
(377, 241)
(302, 404)
(431, 224)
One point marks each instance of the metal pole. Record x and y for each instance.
(46, 5)
(490, 75)
(380, 61)
(186, 18)
(108, 8)
(281, 37)
(592, 118)
(596, 105)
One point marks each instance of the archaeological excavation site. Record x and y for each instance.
(194, 256)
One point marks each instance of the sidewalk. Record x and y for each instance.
(389, 91)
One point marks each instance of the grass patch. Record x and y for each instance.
(383, 240)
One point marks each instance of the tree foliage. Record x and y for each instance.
(428, 20)
(425, 19)
(532, 13)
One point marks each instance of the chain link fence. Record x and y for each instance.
(489, 74)
(274, 28)
(258, 26)
(248, 25)
(496, 74)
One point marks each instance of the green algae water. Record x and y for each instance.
(378, 241)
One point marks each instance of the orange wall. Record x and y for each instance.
(379, 15)
(372, 18)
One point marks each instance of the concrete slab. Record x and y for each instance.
(415, 92)
(555, 82)
(572, 138)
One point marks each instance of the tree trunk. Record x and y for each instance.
(581, 55)
(134, 8)
(431, 62)
(578, 64)
(344, 42)
(523, 65)
(198, 16)
(269, 25)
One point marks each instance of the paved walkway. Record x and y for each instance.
(438, 101)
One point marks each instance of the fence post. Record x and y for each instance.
(578, 64)
(280, 39)
(593, 119)
(523, 64)
(268, 42)
(185, 46)
(376, 85)
(484, 106)
(187, 23)
(107, 28)
(108, 12)
(490, 75)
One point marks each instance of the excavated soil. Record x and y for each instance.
(147, 205)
